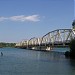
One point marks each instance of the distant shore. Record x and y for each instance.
(3, 44)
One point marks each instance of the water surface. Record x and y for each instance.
(28, 62)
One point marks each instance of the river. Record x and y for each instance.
(28, 62)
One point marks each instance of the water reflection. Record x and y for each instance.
(72, 66)
(48, 55)
(72, 62)
(28, 62)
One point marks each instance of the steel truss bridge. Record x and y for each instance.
(56, 38)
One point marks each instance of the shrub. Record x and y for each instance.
(72, 48)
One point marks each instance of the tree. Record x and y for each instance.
(72, 48)
(73, 25)
(71, 53)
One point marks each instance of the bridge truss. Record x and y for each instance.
(56, 37)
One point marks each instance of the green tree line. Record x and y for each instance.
(3, 44)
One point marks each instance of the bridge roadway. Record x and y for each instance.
(56, 38)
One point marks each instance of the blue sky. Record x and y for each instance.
(24, 19)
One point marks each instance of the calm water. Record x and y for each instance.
(28, 62)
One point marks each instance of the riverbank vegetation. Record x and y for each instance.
(72, 48)
(3, 44)
(71, 53)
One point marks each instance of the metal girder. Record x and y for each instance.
(56, 36)
(59, 35)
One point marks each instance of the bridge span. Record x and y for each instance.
(56, 38)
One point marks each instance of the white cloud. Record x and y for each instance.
(3, 18)
(22, 18)
(17, 18)
(33, 18)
